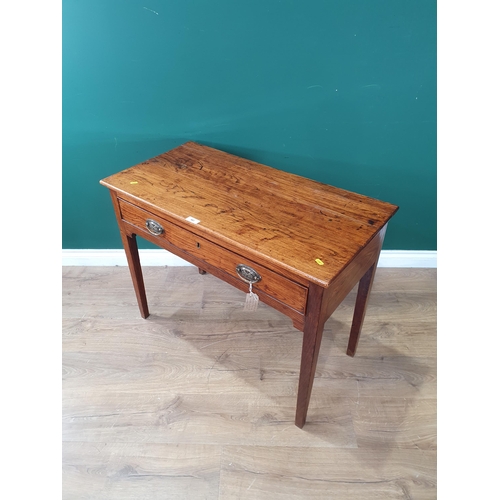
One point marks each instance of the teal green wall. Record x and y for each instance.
(341, 91)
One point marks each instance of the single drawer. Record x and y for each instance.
(271, 283)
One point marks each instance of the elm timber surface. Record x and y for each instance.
(197, 402)
(310, 243)
(286, 220)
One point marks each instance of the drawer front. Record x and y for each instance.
(271, 283)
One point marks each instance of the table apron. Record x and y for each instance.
(296, 316)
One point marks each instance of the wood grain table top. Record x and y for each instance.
(289, 222)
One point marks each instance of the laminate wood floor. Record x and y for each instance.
(198, 401)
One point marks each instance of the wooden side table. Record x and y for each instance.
(302, 244)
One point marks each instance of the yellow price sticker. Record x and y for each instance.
(134, 182)
(320, 262)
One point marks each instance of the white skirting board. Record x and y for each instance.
(158, 257)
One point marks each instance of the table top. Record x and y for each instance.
(311, 229)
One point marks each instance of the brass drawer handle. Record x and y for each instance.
(154, 227)
(246, 273)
